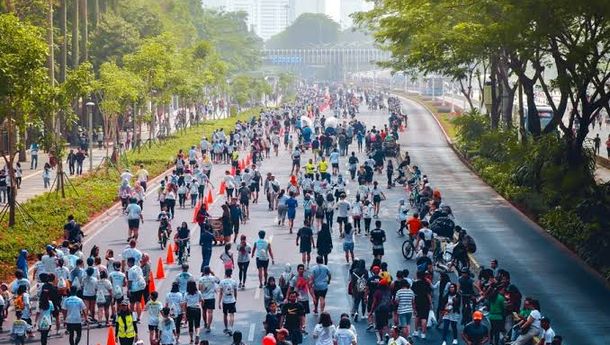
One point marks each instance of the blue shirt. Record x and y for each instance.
(320, 274)
(292, 203)
(206, 240)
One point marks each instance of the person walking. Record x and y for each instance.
(243, 260)
(324, 242)
(262, 251)
(34, 156)
(320, 279)
(227, 300)
(324, 332)
(74, 313)
(450, 310)
(126, 328)
(207, 284)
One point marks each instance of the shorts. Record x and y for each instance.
(228, 308)
(262, 263)
(152, 328)
(295, 337)
(335, 165)
(90, 298)
(303, 250)
(348, 246)
(195, 315)
(305, 304)
(404, 320)
(422, 309)
(381, 319)
(296, 162)
(136, 296)
(192, 162)
(376, 198)
(342, 220)
(245, 202)
(320, 293)
(209, 304)
(106, 303)
(255, 187)
(377, 251)
(133, 223)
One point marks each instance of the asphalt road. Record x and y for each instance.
(570, 294)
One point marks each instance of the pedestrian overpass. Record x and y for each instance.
(329, 62)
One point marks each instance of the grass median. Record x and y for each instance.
(93, 193)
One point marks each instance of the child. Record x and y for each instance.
(182, 195)
(19, 329)
(272, 320)
(348, 242)
(403, 210)
(167, 329)
(227, 257)
(367, 215)
(153, 307)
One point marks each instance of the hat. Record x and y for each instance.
(125, 302)
(375, 269)
(477, 315)
(49, 247)
(282, 330)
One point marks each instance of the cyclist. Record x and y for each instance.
(182, 237)
(165, 228)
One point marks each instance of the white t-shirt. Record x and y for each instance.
(166, 329)
(74, 306)
(132, 253)
(398, 341)
(136, 277)
(228, 287)
(133, 211)
(174, 300)
(344, 336)
(548, 336)
(343, 207)
(324, 335)
(193, 300)
(154, 309)
(89, 286)
(535, 314)
(208, 285)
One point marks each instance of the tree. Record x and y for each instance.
(112, 39)
(309, 29)
(23, 54)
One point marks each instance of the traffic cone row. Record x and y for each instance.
(170, 255)
(223, 188)
(210, 198)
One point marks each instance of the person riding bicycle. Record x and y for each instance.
(182, 237)
(165, 225)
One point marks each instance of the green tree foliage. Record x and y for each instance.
(113, 38)
(309, 29)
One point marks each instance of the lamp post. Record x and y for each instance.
(90, 106)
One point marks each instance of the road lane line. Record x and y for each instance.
(257, 294)
(251, 333)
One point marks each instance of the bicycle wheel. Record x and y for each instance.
(407, 249)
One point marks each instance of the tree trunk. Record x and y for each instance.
(75, 33)
(85, 29)
(508, 100)
(50, 44)
(494, 111)
(533, 120)
(63, 53)
(96, 15)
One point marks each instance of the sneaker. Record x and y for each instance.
(225, 331)
(423, 336)
(356, 317)
(208, 330)
(444, 343)
(369, 327)
(415, 334)
(455, 341)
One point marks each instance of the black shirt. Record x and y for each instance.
(305, 233)
(377, 237)
(475, 332)
(422, 290)
(292, 313)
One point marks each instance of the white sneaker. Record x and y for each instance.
(444, 343)
(454, 342)
(415, 334)
(423, 336)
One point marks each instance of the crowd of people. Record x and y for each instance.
(108, 289)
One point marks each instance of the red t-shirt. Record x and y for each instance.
(414, 225)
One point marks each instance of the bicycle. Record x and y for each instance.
(408, 248)
(183, 248)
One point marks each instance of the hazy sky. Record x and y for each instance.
(333, 9)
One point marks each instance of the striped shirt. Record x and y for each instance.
(404, 299)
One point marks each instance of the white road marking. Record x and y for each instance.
(251, 332)
(257, 294)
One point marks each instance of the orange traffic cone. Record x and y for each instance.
(196, 211)
(142, 301)
(210, 198)
(241, 164)
(151, 283)
(233, 171)
(111, 340)
(222, 189)
(160, 270)
(170, 255)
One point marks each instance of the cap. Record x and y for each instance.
(282, 330)
(125, 302)
(477, 315)
(49, 247)
(375, 269)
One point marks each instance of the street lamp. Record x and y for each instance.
(90, 106)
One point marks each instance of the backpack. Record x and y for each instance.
(117, 291)
(360, 282)
(470, 244)
(443, 226)
(19, 303)
(45, 322)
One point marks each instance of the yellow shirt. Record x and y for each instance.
(310, 168)
(323, 166)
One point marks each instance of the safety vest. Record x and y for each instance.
(125, 326)
(235, 155)
(323, 166)
(310, 168)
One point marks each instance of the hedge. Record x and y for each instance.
(95, 193)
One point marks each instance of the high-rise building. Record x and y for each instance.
(351, 6)
(272, 17)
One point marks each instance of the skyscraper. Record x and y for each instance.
(272, 17)
(351, 6)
